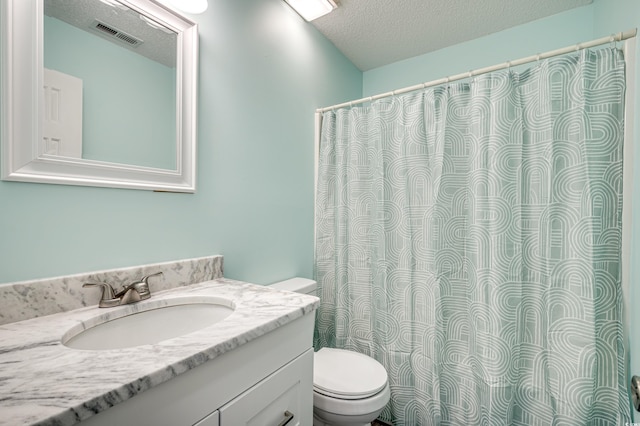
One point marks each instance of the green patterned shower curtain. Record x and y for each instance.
(469, 239)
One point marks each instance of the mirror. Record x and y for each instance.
(98, 92)
(123, 99)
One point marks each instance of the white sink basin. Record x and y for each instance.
(152, 322)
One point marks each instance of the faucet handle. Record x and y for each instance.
(146, 277)
(141, 286)
(108, 298)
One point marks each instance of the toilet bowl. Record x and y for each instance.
(349, 388)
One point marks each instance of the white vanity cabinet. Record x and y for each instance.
(263, 382)
(277, 400)
(212, 419)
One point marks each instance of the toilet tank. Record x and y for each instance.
(299, 285)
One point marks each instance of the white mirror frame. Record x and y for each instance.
(21, 107)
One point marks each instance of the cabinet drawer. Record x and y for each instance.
(212, 419)
(271, 402)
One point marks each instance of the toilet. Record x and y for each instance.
(349, 388)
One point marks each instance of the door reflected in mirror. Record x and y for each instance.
(109, 84)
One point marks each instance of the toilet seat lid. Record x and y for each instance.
(346, 374)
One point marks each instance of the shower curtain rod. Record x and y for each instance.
(610, 39)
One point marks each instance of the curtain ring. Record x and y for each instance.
(615, 38)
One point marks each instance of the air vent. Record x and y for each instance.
(114, 33)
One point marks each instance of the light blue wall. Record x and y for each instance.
(535, 37)
(263, 71)
(600, 19)
(129, 101)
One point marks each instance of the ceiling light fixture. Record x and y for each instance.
(190, 6)
(114, 3)
(312, 9)
(153, 24)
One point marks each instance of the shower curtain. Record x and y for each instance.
(468, 237)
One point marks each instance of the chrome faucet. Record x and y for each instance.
(131, 293)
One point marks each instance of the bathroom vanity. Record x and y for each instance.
(253, 367)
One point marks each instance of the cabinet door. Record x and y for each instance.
(284, 397)
(212, 419)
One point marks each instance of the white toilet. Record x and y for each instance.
(349, 388)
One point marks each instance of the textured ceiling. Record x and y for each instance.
(157, 45)
(372, 33)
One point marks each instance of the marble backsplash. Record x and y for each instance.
(36, 298)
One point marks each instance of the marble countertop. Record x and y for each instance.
(43, 382)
